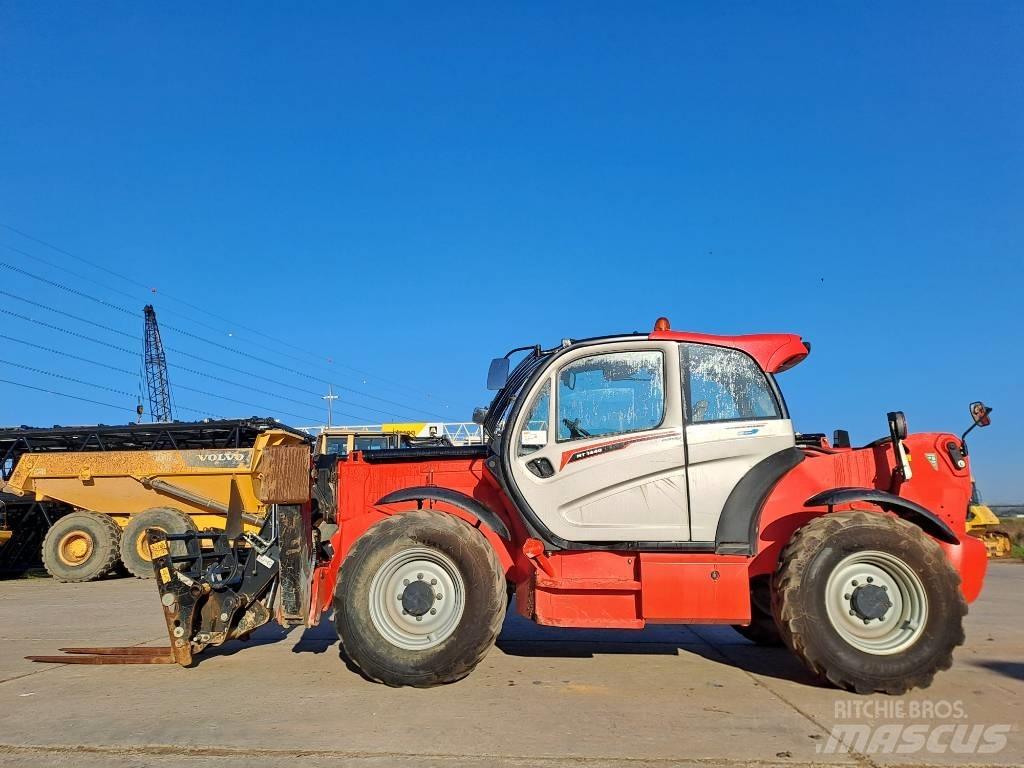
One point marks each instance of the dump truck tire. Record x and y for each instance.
(420, 600)
(762, 629)
(868, 602)
(135, 550)
(82, 546)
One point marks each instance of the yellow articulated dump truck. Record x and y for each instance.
(119, 481)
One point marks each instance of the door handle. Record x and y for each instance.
(541, 467)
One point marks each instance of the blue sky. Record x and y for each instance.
(407, 190)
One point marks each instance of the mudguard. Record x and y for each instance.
(467, 503)
(908, 510)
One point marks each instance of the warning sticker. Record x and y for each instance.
(165, 576)
(158, 549)
(265, 561)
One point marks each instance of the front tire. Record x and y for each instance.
(869, 602)
(420, 600)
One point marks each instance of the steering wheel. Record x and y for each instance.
(575, 430)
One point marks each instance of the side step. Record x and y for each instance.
(134, 654)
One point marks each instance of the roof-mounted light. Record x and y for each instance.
(662, 324)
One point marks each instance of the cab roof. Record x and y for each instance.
(774, 352)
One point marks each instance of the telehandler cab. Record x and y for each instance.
(629, 480)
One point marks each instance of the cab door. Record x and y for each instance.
(599, 447)
(734, 420)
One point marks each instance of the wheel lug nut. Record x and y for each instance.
(870, 580)
(419, 576)
(433, 611)
(399, 598)
(867, 621)
(419, 618)
(845, 597)
(854, 582)
(406, 582)
(885, 588)
(439, 596)
(406, 613)
(852, 613)
(433, 582)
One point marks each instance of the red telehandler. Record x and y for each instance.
(628, 480)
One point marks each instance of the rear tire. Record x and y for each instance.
(420, 600)
(135, 549)
(82, 546)
(869, 602)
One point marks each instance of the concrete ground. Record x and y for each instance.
(543, 697)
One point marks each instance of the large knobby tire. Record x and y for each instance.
(82, 546)
(762, 629)
(869, 602)
(135, 548)
(420, 600)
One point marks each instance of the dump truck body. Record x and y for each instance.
(141, 476)
(207, 483)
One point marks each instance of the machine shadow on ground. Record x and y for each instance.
(1011, 669)
(719, 645)
(522, 638)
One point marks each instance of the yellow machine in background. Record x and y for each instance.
(118, 494)
(983, 524)
(341, 441)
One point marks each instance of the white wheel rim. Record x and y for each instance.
(866, 584)
(417, 598)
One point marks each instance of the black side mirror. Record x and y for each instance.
(480, 414)
(898, 433)
(897, 425)
(497, 374)
(980, 414)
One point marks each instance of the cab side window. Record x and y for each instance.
(611, 394)
(725, 385)
(534, 434)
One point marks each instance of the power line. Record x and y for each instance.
(176, 351)
(62, 394)
(67, 314)
(66, 378)
(67, 331)
(125, 371)
(205, 310)
(63, 287)
(137, 375)
(90, 384)
(207, 341)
